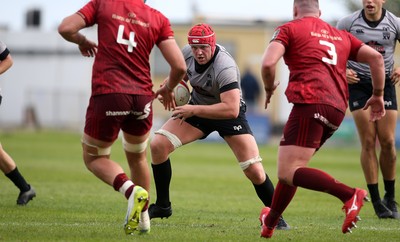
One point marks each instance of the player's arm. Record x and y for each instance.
(272, 55)
(69, 30)
(375, 61)
(376, 64)
(228, 108)
(174, 57)
(6, 64)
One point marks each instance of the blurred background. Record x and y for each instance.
(48, 86)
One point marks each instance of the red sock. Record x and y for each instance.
(123, 184)
(318, 180)
(119, 180)
(129, 191)
(283, 194)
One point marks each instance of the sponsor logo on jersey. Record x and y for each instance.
(377, 46)
(386, 33)
(359, 31)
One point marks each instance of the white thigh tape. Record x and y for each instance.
(245, 164)
(134, 148)
(100, 151)
(175, 141)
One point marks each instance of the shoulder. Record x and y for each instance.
(156, 13)
(3, 47)
(224, 58)
(187, 51)
(393, 19)
(347, 21)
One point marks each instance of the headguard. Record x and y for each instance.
(202, 34)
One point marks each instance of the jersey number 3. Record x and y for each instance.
(331, 52)
(129, 42)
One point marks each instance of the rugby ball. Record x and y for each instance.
(181, 93)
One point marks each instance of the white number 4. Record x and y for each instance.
(130, 43)
(331, 52)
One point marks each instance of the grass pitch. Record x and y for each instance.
(212, 199)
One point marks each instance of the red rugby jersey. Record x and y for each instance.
(127, 32)
(316, 55)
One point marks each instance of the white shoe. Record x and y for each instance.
(137, 200)
(144, 222)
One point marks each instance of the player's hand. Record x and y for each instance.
(269, 93)
(166, 97)
(351, 76)
(395, 76)
(88, 48)
(377, 106)
(183, 112)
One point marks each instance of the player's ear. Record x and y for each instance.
(295, 12)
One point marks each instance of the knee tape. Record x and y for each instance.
(94, 150)
(134, 148)
(171, 137)
(245, 164)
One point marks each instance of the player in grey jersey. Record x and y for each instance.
(7, 164)
(380, 29)
(216, 105)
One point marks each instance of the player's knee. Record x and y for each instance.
(173, 139)
(369, 144)
(157, 144)
(387, 145)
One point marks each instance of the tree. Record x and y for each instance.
(391, 5)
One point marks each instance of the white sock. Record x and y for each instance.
(125, 187)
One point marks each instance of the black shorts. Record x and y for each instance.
(360, 92)
(224, 127)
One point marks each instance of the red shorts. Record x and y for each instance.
(310, 125)
(107, 114)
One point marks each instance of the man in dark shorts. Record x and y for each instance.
(216, 105)
(7, 164)
(122, 93)
(380, 29)
(316, 54)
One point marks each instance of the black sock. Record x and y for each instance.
(389, 188)
(162, 174)
(18, 180)
(265, 191)
(374, 192)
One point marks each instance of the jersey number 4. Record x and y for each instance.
(129, 42)
(331, 52)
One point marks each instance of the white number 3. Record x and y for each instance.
(129, 42)
(331, 52)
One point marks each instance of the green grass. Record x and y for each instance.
(212, 200)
